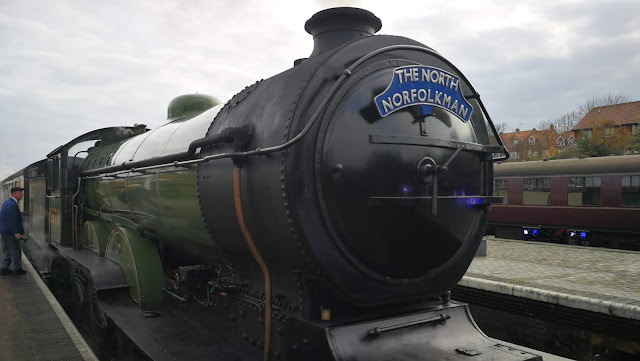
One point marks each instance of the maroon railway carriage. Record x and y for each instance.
(588, 201)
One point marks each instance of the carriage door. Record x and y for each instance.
(37, 207)
(53, 203)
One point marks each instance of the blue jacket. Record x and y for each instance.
(10, 218)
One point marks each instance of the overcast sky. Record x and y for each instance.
(67, 67)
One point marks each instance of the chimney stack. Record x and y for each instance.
(334, 27)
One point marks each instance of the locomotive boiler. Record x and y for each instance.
(323, 213)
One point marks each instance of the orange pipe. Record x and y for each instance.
(237, 198)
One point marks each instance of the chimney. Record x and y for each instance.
(334, 27)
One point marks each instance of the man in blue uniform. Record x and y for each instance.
(11, 230)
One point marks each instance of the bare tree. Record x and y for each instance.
(502, 127)
(568, 120)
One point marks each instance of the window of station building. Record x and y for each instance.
(501, 189)
(635, 129)
(631, 191)
(536, 191)
(584, 191)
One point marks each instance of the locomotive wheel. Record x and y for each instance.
(98, 320)
(59, 278)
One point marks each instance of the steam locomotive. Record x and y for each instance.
(321, 214)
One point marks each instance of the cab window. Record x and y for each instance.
(81, 149)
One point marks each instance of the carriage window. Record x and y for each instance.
(536, 191)
(631, 190)
(501, 189)
(584, 191)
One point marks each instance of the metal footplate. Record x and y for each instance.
(447, 333)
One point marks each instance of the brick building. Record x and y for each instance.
(623, 118)
(615, 122)
(536, 144)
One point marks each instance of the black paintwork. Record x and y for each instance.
(366, 216)
(315, 226)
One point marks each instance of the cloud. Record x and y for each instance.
(68, 67)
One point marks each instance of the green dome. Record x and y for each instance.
(190, 105)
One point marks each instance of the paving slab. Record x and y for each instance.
(594, 279)
(34, 327)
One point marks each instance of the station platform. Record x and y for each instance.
(577, 302)
(599, 280)
(33, 325)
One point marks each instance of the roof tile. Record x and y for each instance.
(626, 113)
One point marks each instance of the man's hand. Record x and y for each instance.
(17, 235)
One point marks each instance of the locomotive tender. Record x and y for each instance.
(323, 213)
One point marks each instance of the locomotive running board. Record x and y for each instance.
(105, 273)
(172, 333)
(438, 333)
